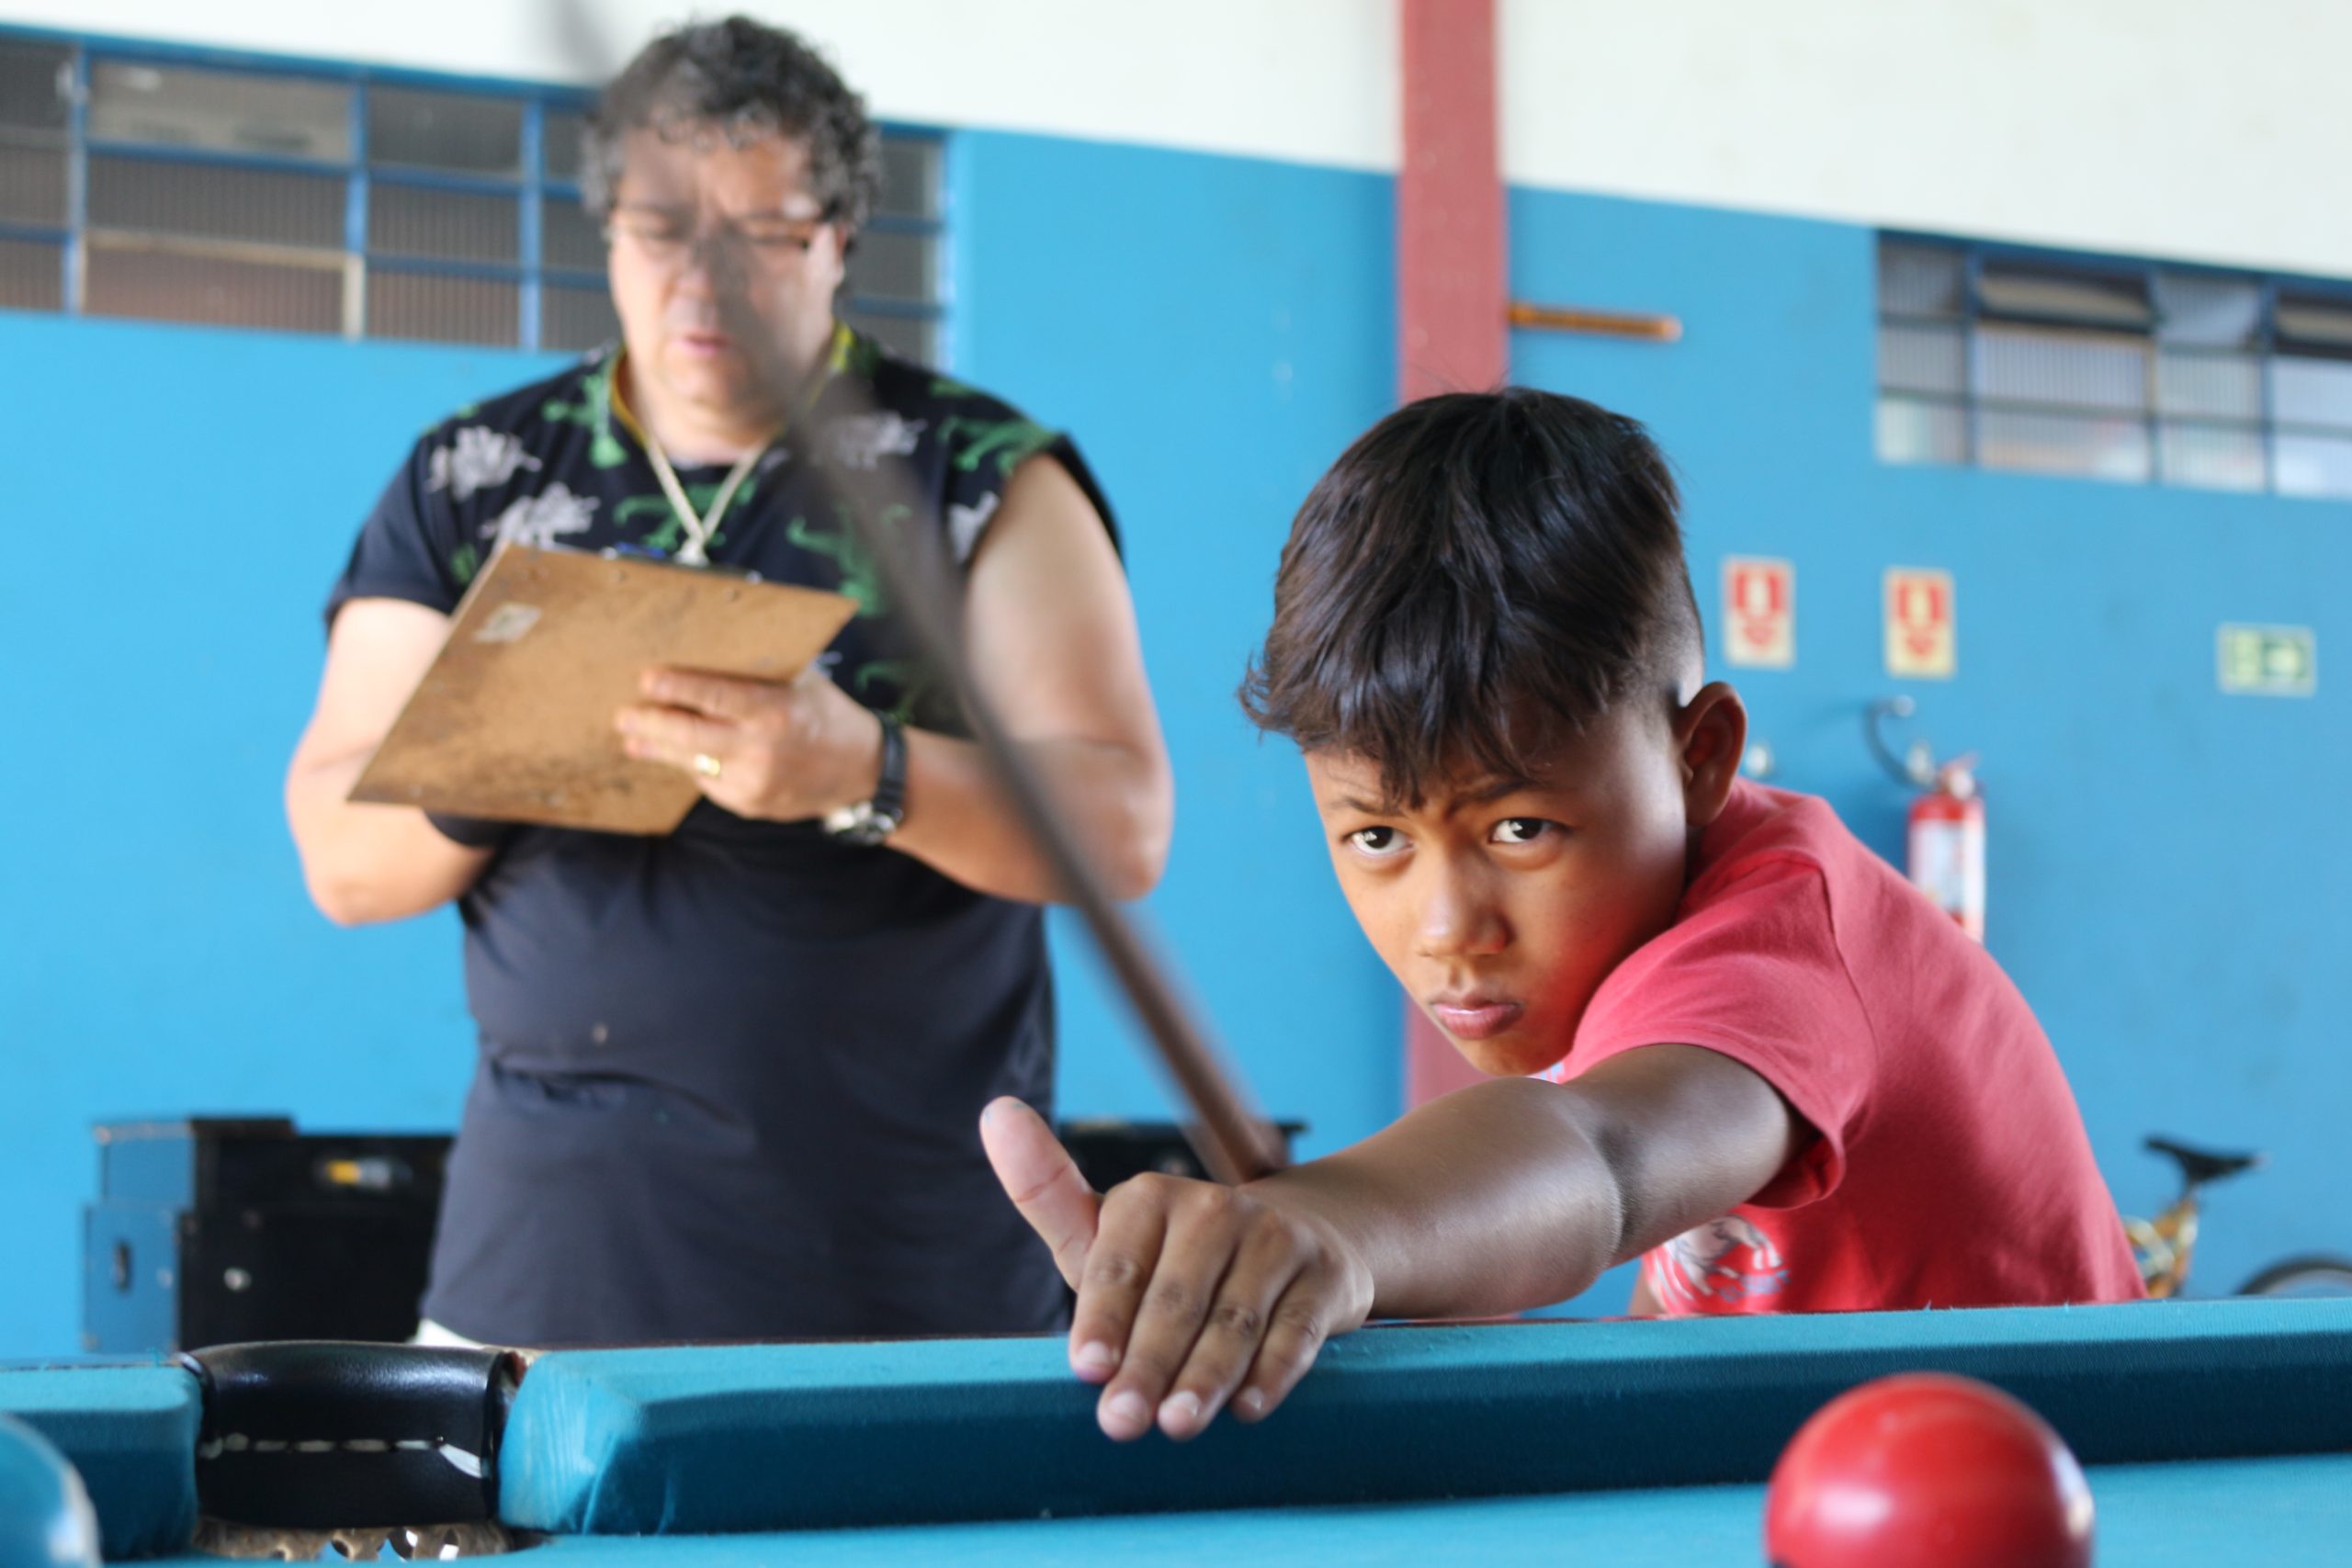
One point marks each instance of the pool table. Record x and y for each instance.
(2212, 1432)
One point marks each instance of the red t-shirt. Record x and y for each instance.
(1951, 1166)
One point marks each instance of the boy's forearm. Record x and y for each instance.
(1491, 1200)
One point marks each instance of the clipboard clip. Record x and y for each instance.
(664, 557)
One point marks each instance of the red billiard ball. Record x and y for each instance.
(1927, 1471)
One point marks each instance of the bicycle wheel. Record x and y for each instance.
(2311, 1274)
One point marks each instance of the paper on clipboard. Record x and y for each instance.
(514, 719)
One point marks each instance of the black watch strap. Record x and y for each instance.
(873, 820)
(890, 789)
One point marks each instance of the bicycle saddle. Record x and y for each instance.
(2199, 1166)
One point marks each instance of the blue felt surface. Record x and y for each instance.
(2210, 1513)
(45, 1516)
(814, 1435)
(131, 1432)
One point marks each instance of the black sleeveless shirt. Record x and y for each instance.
(730, 1078)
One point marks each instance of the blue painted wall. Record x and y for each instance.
(179, 499)
(1215, 330)
(2166, 864)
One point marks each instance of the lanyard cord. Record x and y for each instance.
(696, 552)
(700, 530)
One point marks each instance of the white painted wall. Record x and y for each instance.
(2208, 130)
(1313, 81)
(2215, 130)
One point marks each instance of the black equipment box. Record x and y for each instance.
(222, 1230)
(217, 1230)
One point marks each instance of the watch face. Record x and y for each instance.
(872, 821)
(861, 824)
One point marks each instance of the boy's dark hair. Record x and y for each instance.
(1479, 570)
(748, 80)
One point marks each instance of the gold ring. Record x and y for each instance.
(706, 764)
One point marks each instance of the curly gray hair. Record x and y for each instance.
(745, 80)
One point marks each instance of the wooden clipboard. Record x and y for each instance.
(514, 719)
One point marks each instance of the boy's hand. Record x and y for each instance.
(1189, 1294)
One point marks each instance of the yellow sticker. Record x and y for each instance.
(1920, 636)
(1759, 613)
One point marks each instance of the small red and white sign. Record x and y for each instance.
(1920, 638)
(1759, 613)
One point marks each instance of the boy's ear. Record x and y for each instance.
(1709, 739)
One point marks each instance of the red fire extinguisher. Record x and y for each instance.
(1947, 844)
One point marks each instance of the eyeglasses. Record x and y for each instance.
(670, 240)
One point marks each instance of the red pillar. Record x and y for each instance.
(1452, 305)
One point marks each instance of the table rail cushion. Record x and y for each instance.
(131, 1433)
(324, 1434)
(773, 1437)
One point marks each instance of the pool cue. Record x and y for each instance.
(1234, 1144)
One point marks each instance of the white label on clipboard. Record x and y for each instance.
(508, 623)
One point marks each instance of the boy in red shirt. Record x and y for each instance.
(1724, 1037)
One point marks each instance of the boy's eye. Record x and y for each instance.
(1376, 842)
(1521, 829)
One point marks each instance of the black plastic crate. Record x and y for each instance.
(213, 1230)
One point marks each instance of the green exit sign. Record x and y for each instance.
(2269, 661)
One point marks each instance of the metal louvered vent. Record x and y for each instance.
(32, 275)
(160, 285)
(442, 309)
(2137, 373)
(247, 192)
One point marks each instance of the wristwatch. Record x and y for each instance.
(872, 821)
